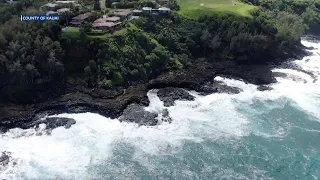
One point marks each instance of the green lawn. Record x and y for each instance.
(197, 8)
(72, 33)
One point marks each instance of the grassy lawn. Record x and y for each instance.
(72, 33)
(120, 32)
(197, 8)
(104, 36)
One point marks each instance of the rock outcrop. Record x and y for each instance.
(170, 94)
(112, 103)
(136, 113)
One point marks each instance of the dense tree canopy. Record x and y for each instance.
(29, 52)
(34, 52)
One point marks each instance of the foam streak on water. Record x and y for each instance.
(252, 135)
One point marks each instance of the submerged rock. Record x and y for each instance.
(170, 94)
(218, 87)
(165, 116)
(264, 88)
(54, 122)
(279, 74)
(4, 159)
(137, 114)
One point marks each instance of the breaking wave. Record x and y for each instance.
(251, 135)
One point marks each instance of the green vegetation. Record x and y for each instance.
(72, 33)
(292, 17)
(196, 9)
(124, 4)
(37, 53)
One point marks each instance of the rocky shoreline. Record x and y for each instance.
(121, 103)
(198, 77)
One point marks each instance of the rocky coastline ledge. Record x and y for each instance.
(118, 103)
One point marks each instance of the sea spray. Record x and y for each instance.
(251, 135)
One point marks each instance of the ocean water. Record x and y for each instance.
(252, 135)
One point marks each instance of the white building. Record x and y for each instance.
(147, 9)
(164, 10)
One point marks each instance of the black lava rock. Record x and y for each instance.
(165, 116)
(264, 88)
(170, 94)
(53, 122)
(4, 159)
(136, 113)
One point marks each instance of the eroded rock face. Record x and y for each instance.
(24, 115)
(170, 94)
(136, 113)
(111, 103)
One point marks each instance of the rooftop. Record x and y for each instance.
(119, 10)
(123, 12)
(113, 18)
(137, 11)
(75, 23)
(66, 2)
(51, 13)
(51, 5)
(105, 24)
(164, 9)
(100, 20)
(147, 8)
(81, 16)
(63, 10)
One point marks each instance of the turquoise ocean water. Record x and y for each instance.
(252, 135)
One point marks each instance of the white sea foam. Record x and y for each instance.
(71, 153)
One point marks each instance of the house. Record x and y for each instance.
(51, 13)
(164, 10)
(163, 2)
(81, 18)
(106, 26)
(137, 12)
(100, 20)
(107, 23)
(48, 7)
(11, 1)
(114, 19)
(63, 10)
(66, 2)
(58, 5)
(147, 9)
(124, 14)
